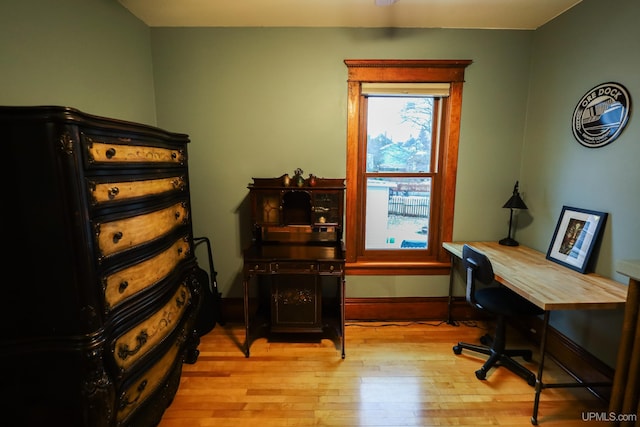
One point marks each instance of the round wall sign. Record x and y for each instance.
(601, 115)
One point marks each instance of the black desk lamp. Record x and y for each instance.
(515, 202)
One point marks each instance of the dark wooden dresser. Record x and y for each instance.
(297, 257)
(100, 294)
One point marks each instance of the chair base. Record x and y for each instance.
(503, 358)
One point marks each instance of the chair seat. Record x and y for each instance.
(500, 300)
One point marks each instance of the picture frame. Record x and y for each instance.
(577, 232)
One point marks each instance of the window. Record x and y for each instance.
(398, 169)
(402, 146)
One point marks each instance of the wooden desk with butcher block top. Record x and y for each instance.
(548, 285)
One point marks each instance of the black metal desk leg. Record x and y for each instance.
(450, 301)
(539, 383)
(245, 284)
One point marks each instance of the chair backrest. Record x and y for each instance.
(478, 267)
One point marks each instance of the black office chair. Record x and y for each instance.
(502, 303)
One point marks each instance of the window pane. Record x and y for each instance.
(397, 213)
(399, 134)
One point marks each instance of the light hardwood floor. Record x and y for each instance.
(394, 374)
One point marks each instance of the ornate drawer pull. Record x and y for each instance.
(276, 267)
(310, 266)
(141, 339)
(110, 153)
(331, 268)
(125, 400)
(117, 236)
(113, 192)
(178, 184)
(256, 267)
(181, 299)
(123, 286)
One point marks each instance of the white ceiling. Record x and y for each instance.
(491, 14)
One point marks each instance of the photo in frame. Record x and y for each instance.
(577, 233)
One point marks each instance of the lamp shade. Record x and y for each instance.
(515, 201)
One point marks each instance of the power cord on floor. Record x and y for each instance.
(378, 324)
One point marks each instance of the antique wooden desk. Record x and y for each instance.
(296, 276)
(297, 258)
(548, 285)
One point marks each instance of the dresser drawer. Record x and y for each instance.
(145, 385)
(123, 234)
(123, 284)
(124, 150)
(106, 192)
(138, 341)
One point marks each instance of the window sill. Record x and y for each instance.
(395, 268)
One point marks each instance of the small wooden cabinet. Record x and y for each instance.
(99, 319)
(297, 256)
(296, 304)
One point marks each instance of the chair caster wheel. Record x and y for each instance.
(531, 381)
(527, 357)
(485, 340)
(457, 349)
(481, 374)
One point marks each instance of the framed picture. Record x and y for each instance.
(577, 233)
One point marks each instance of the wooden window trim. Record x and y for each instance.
(402, 71)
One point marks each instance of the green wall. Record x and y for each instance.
(595, 42)
(259, 102)
(88, 54)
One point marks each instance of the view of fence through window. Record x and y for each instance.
(398, 172)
